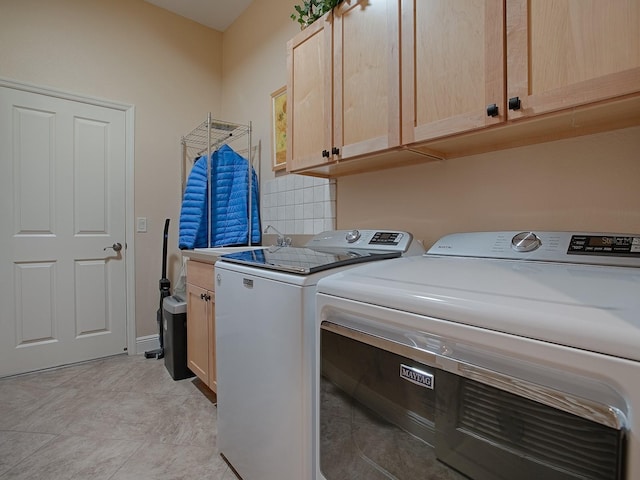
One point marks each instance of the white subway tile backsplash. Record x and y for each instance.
(307, 211)
(330, 210)
(318, 193)
(289, 197)
(308, 227)
(308, 182)
(289, 212)
(288, 183)
(289, 226)
(318, 210)
(307, 195)
(298, 204)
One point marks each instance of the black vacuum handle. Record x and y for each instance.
(164, 248)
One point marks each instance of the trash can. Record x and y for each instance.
(174, 314)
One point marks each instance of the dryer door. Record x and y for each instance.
(389, 411)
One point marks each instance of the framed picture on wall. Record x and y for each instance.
(279, 134)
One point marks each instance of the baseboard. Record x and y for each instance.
(146, 343)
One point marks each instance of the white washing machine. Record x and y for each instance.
(265, 339)
(494, 356)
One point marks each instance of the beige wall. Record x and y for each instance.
(253, 66)
(132, 52)
(588, 183)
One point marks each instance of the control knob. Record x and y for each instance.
(352, 236)
(525, 242)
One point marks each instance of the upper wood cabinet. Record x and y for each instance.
(309, 96)
(452, 67)
(344, 85)
(376, 81)
(366, 77)
(567, 53)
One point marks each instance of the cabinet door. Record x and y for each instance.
(366, 77)
(198, 332)
(211, 317)
(452, 66)
(564, 53)
(309, 96)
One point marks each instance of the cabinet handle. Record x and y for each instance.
(203, 296)
(492, 110)
(514, 103)
(335, 151)
(325, 153)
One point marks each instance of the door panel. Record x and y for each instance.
(63, 202)
(34, 321)
(566, 53)
(366, 86)
(309, 95)
(452, 67)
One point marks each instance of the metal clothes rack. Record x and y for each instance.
(206, 138)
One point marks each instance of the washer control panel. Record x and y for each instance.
(386, 240)
(568, 247)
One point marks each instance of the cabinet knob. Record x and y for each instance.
(335, 151)
(492, 110)
(325, 153)
(514, 103)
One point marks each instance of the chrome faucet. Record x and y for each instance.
(282, 240)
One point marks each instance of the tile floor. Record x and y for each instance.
(120, 418)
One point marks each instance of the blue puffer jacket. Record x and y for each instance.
(229, 215)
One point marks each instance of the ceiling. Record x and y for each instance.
(216, 14)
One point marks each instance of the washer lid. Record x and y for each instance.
(595, 308)
(305, 261)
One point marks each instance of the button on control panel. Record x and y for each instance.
(525, 242)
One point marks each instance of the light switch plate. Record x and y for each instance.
(141, 224)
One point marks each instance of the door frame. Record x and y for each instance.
(129, 258)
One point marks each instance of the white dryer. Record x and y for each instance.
(494, 356)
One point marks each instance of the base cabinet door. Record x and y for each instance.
(201, 331)
(211, 319)
(197, 332)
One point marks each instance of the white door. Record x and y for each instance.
(62, 201)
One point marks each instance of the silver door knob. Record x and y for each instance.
(116, 247)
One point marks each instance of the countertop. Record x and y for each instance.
(210, 255)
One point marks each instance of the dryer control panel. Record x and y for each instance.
(605, 245)
(568, 247)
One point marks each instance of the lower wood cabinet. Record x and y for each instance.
(201, 329)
